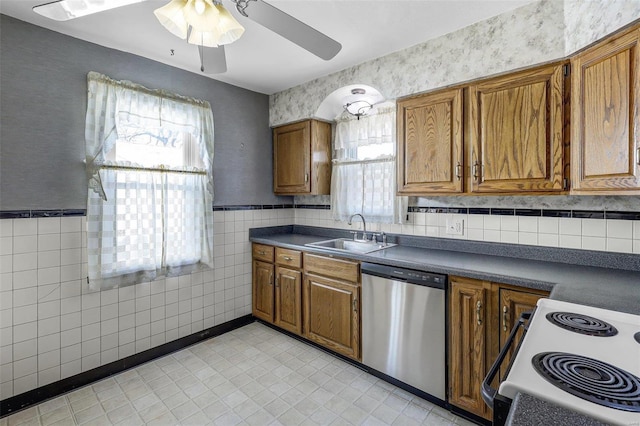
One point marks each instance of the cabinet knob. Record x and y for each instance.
(505, 310)
(478, 309)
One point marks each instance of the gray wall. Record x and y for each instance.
(42, 112)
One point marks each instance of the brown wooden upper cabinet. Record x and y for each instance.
(302, 158)
(509, 139)
(605, 117)
(430, 155)
(515, 133)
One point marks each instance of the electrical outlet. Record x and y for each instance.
(455, 226)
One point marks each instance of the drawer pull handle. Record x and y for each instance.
(458, 174)
(270, 279)
(262, 252)
(504, 318)
(277, 282)
(288, 259)
(355, 305)
(306, 177)
(478, 309)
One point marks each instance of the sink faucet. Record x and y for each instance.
(364, 225)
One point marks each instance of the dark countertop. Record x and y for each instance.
(527, 410)
(616, 289)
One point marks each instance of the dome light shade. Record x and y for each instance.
(358, 108)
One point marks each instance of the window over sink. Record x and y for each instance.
(364, 168)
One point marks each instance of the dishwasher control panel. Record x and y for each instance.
(429, 279)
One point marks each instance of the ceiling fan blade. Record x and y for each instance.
(212, 60)
(64, 10)
(289, 27)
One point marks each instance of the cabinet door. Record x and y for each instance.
(467, 348)
(516, 132)
(289, 299)
(605, 117)
(430, 158)
(263, 290)
(332, 314)
(292, 158)
(512, 304)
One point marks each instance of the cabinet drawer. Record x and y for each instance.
(262, 252)
(287, 257)
(329, 267)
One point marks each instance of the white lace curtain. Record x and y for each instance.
(144, 222)
(117, 108)
(364, 171)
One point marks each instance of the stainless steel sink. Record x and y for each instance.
(348, 245)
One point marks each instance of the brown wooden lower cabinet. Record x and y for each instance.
(467, 347)
(512, 304)
(332, 314)
(263, 290)
(481, 316)
(288, 297)
(321, 302)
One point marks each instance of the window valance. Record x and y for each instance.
(116, 109)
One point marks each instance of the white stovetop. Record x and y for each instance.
(620, 350)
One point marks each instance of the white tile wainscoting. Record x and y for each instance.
(52, 327)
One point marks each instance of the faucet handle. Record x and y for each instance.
(355, 235)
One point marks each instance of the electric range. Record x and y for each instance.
(579, 357)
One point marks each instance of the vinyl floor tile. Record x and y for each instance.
(250, 376)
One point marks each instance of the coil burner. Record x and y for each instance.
(590, 379)
(583, 324)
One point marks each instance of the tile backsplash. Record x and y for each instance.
(614, 235)
(52, 326)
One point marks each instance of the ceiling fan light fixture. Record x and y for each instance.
(229, 28)
(204, 21)
(171, 16)
(204, 38)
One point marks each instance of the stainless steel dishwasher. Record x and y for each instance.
(403, 325)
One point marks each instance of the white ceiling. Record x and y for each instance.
(262, 60)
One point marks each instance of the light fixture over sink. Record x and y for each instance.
(202, 22)
(358, 107)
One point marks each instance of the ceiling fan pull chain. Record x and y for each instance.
(201, 51)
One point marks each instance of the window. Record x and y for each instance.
(149, 157)
(364, 173)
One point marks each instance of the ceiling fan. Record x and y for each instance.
(207, 24)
